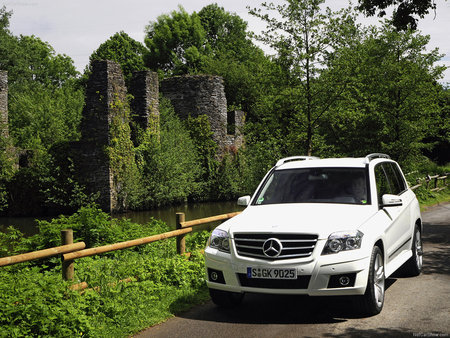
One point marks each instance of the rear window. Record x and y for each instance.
(315, 185)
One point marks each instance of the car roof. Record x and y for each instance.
(327, 162)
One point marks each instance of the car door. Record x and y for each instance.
(404, 218)
(397, 231)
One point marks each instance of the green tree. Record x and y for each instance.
(45, 101)
(404, 15)
(124, 50)
(225, 32)
(212, 41)
(304, 38)
(176, 43)
(32, 60)
(8, 41)
(392, 102)
(6, 169)
(42, 116)
(441, 141)
(233, 56)
(45, 104)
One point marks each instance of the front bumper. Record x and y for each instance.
(316, 276)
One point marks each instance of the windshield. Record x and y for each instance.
(315, 185)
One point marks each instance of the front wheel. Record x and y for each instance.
(372, 301)
(225, 298)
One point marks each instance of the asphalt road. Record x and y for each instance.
(414, 307)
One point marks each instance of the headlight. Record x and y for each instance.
(219, 240)
(342, 241)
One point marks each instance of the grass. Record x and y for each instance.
(430, 198)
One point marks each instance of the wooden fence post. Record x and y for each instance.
(181, 240)
(67, 266)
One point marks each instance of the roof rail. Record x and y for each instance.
(295, 158)
(373, 156)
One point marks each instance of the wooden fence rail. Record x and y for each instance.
(71, 251)
(435, 179)
(46, 253)
(124, 245)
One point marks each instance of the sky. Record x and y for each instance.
(77, 28)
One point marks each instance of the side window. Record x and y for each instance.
(395, 178)
(401, 180)
(383, 186)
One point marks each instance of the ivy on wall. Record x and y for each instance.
(120, 150)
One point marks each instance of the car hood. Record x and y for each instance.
(320, 219)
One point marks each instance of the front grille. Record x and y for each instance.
(301, 282)
(293, 245)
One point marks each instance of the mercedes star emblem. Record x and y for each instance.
(272, 247)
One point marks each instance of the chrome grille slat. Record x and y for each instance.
(299, 248)
(294, 245)
(252, 240)
(247, 246)
(298, 241)
(296, 255)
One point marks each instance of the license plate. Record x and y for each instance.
(271, 273)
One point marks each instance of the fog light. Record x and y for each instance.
(214, 276)
(344, 281)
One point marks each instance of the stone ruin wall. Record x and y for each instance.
(235, 124)
(106, 87)
(189, 95)
(144, 87)
(196, 95)
(3, 104)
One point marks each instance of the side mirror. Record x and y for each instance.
(244, 201)
(391, 201)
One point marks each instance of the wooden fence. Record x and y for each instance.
(431, 182)
(71, 251)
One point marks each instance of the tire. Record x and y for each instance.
(371, 303)
(225, 298)
(413, 266)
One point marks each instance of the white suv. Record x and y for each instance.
(319, 227)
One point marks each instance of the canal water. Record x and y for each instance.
(27, 225)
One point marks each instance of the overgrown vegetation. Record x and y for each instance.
(34, 301)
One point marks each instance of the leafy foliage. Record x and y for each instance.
(43, 116)
(176, 43)
(304, 38)
(404, 15)
(391, 102)
(34, 301)
(168, 161)
(6, 168)
(124, 50)
(121, 154)
(45, 104)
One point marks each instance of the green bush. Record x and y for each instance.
(168, 162)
